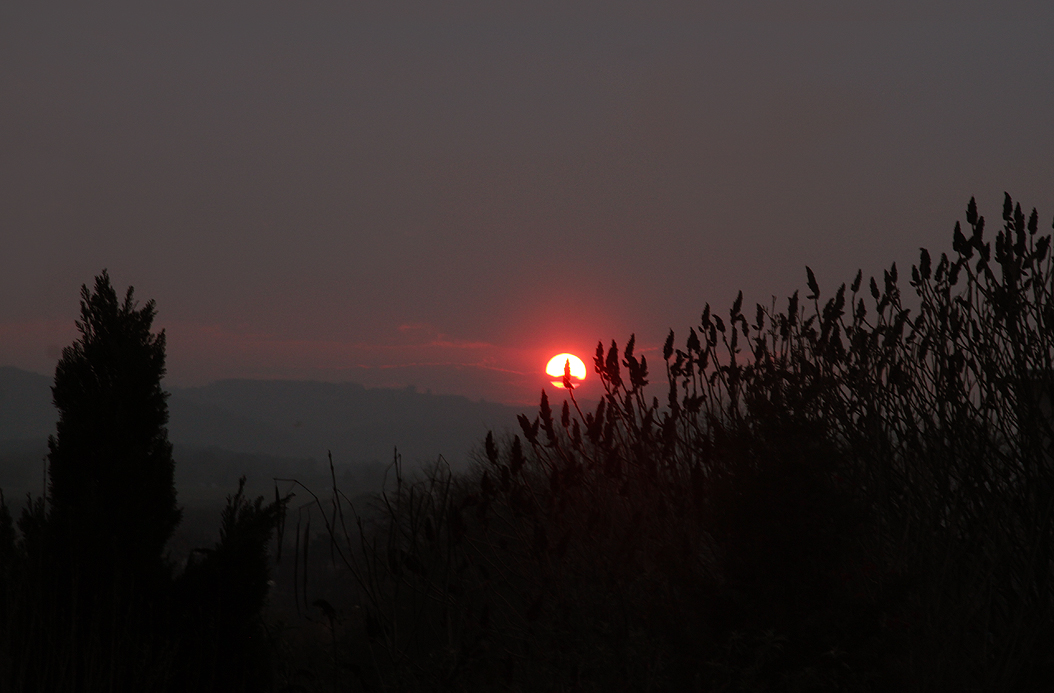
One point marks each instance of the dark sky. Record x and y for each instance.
(447, 197)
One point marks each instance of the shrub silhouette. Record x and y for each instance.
(848, 494)
(220, 597)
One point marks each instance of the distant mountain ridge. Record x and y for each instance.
(308, 418)
(283, 418)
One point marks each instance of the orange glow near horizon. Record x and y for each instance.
(555, 369)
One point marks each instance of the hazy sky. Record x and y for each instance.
(447, 197)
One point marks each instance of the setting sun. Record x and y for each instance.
(555, 369)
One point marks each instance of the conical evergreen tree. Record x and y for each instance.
(112, 495)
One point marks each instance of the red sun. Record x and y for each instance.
(556, 365)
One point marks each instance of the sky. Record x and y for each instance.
(445, 195)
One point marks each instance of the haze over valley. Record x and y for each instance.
(267, 429)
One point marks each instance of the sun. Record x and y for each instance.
(555, 369)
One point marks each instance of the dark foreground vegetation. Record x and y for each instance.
(88, 599)
(854, 491)
(849, 492)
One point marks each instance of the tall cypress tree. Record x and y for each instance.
(113, 499)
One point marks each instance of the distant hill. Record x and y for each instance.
(305, 419)
(267, 428)
(26, 411)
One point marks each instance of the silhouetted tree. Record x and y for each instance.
(87, 599)
(113, 499)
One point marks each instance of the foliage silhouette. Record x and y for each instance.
(849, 494)
(220, 597)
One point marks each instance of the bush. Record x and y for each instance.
(220, 597)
